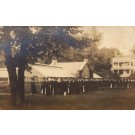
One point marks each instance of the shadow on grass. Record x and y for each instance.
(97, 100)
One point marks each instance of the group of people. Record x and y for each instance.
(77, 86)
(61, 87)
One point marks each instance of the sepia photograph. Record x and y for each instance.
(67, 68)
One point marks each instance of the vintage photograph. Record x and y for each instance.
(67, 68)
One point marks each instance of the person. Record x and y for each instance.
(51, 87)
(100, 84)
(64, 87)
(86, 85)
(125, 83)
(59, 86)
(33, 86)
(83, 86)
(69, 86)
(80, 86)
(48, 87)
(55, 87)
(72, 87)
(43, 87)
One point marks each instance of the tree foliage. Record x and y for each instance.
(24, 45)
(53, 42)
(102, 65)
(132, 76)
(99, 58)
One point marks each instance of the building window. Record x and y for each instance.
(116, 71)
(121, 64)
(127, 63)
(133, 63)
(115, 63)
(127, 71)
(121, 72)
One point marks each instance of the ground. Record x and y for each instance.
(112, 99)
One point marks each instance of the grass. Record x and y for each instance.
(112, 99)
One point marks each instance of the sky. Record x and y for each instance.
(121, 37)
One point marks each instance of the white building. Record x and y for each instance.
(123, 64)
(58, 70)
(61, 70)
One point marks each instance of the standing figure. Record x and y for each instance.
(86, 84)
(55, 87)
(43, 87)
(60, 89)
(52, 87)
(33, 86)
(72, 87)
(80, 86)
(65, 87)
(69, 86)
(48, 88)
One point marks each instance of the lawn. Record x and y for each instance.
(112, 99)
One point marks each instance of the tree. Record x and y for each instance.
(9, 63)
(57, 41)
(103, 63)
(89, 45)
(132, 75)
(24, 45)
(99, 59)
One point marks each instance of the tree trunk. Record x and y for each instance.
(12, 77)
(10, 64)
(21, 84)
(13, 82)
(21, 68)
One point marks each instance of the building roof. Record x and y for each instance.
(62, 69)
(69, 69)
(48, 71)
(72, 67)
(96, 76)
(127, 56)
(117, 59)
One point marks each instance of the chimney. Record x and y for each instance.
(86, 60)
(54, 62)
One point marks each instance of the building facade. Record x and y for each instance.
(57, 70)
(124, 65)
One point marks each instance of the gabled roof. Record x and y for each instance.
(72, 67)
(96, 76)
(48, 71)
(62, 69)
(69, 65)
